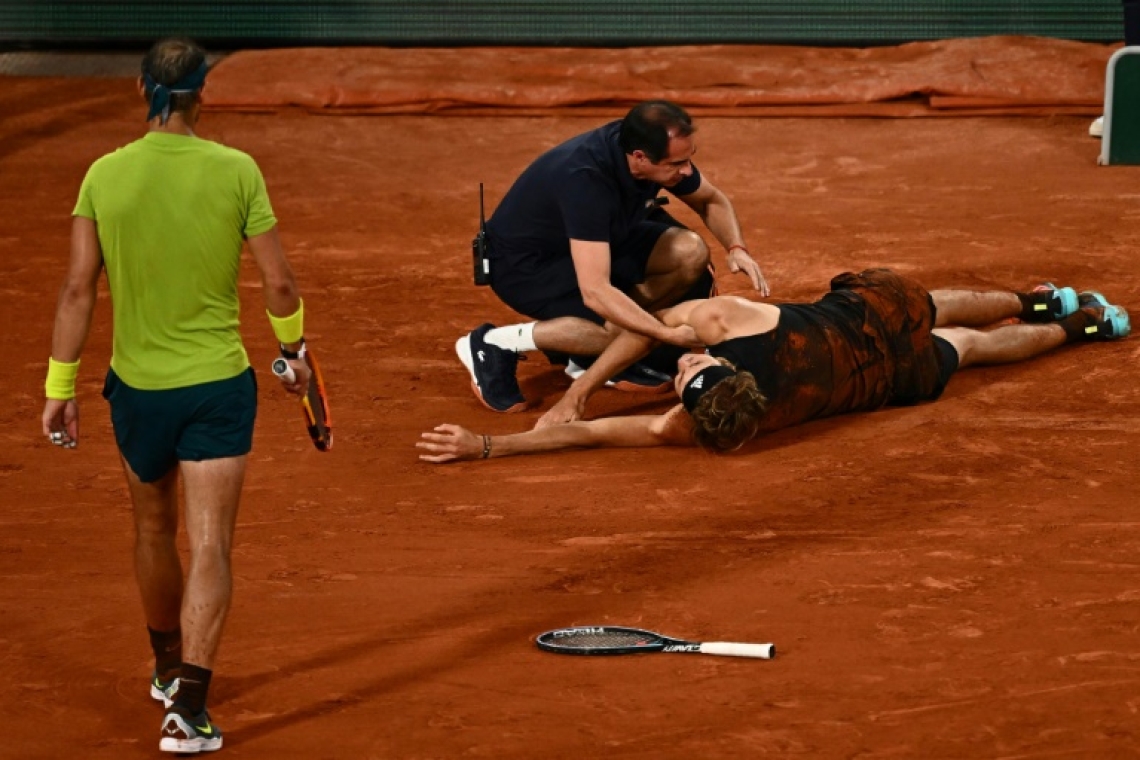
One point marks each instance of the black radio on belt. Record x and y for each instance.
(479, 247)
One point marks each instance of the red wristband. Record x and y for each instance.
(733, 247)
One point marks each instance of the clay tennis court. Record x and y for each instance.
(954, 580)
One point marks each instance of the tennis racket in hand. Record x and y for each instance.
(609, 639)
(314, 402)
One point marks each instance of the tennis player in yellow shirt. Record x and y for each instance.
(167, 218)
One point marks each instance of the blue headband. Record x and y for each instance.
(160, 93)
(702, 383)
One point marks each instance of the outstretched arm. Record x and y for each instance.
(448, 443)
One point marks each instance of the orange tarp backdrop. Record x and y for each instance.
(994, 74)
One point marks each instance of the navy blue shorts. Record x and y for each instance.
(947, 361)
(553, 292)
(155, 430)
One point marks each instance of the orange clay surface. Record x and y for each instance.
(954, 580)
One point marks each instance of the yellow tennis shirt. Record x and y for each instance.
(172, 212)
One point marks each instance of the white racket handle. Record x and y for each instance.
(732, 649)
(282, 369)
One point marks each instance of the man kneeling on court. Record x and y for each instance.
(581, 245)
(877, 339)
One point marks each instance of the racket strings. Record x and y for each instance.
(606, 639)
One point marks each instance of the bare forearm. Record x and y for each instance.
(720, 218)
(555, 438)
(618, 308)
(72, 322)
(448, 443)
(625, 349)
(278, 284)
(609, 432)
(282, 298)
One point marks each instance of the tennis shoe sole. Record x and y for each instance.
(183, 736)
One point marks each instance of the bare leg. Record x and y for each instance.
(972, 308)
(1003, 345)
(158, 570)
(676, 263)
(213, 490)
(572, 335)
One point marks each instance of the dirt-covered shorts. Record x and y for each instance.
(900, 316)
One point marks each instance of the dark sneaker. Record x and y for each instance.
(637, 378)
(163, 691)
(1051, 303)
(189, 734)
(1091, 298)
(492, 371)
(1111, 323)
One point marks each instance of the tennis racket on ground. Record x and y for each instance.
(315, 402)
(609, 639)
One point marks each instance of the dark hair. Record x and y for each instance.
(729, 414)
(649, 126)
(170, 60)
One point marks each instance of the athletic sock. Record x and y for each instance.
(167, 647)
(517, 338)
(1037, 306)
(193, 688)
(1075, 325)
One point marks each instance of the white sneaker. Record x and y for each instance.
(573, 371)
(1096, 129)
(163, 691)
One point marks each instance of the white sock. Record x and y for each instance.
(517, 338)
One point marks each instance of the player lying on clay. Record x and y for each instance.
(876, 339)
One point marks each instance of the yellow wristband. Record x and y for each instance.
(289, 329)
(60, 383)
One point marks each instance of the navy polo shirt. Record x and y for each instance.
(581, 189)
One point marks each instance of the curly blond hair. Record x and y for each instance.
(729, 414)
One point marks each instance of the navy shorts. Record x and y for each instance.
(947, 361)
(553, 291)
(155, 430)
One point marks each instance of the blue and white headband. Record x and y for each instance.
(160, 93)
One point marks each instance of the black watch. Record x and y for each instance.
(286, 353)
